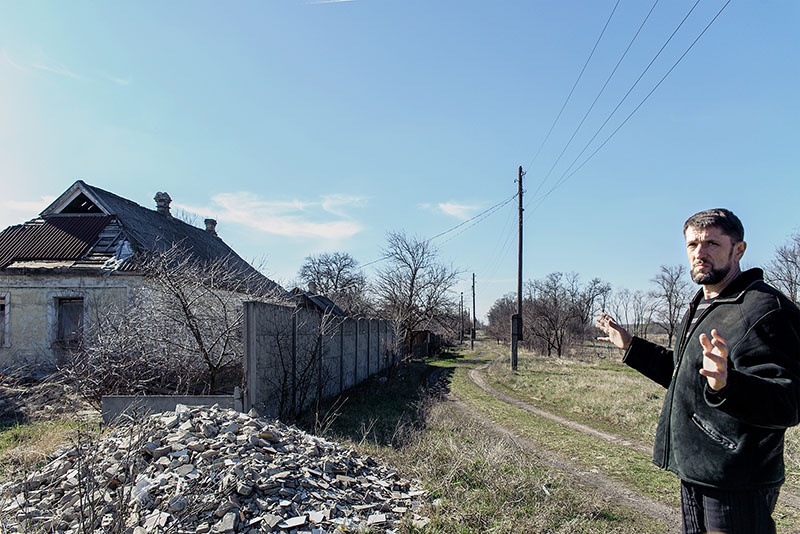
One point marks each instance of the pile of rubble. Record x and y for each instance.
(209, 470)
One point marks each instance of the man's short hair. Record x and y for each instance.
(720, 218)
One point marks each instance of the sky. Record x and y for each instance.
(308, 126)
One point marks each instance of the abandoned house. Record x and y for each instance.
(81, 252)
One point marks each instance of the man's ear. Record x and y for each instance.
(738, 250)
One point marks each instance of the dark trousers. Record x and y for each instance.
(707, 510)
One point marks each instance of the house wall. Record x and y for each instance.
(31, 312)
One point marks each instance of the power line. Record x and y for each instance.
(474, 220)
(600, 93)
(567, 174)
(482, 216)
(574, 85)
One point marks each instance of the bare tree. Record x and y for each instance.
(783, 271)
(414, 289)
(499, 316)
(635, 310)
(337, 276)
(672, 296)
(179, 332)
(585, 298)
(549, 314)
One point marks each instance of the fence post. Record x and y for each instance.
(249, 364)
(341, 355)
(293, 407)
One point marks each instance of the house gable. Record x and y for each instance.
(79, 199)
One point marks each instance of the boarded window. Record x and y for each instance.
(69, 328)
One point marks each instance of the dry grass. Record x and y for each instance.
(482, 482)
(600, 392)
(24, 446)
(479, 481)
(603, 393)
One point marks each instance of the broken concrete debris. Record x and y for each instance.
(212, 471)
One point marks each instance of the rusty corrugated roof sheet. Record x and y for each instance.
(52, 238)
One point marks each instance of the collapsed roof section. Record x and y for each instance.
(89, 229)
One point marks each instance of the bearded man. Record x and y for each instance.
(732, 380)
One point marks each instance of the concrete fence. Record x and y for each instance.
(295, 356)
(137, 405)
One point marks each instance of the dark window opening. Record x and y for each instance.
(81, 204)
(69, 326)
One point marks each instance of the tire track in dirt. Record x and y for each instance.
(605, 486)
(669, 516)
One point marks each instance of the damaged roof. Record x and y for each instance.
(89, 228)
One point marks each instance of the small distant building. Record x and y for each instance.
(83, 252)
(311, 301)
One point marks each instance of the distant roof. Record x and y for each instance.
(320, 302)
(96, 229)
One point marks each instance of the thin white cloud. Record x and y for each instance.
(61, 71)
(461, 212)
(338, 204)
(323, 219)
(11, 62)
(22, 210)
(120, 81)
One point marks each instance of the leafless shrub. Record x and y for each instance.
(179, 332)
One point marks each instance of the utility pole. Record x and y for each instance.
(461, 315)
(472, 336)
(516, 320)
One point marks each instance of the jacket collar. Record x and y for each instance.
(739, 284)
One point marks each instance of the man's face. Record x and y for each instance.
(712, 254)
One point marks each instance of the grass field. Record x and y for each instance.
(482, 482)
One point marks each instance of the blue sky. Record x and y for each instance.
(319, 126)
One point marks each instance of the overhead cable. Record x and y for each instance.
(574, 85)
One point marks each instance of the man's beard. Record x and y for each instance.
(714, 276)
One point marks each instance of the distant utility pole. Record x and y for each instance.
(516, 319)
(472, 336)
(461, 315)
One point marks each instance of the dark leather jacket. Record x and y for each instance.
(731, 439)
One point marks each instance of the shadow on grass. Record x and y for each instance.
(384, 409)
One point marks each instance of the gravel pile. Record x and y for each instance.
(209, 470)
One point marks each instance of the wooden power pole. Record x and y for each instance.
(516, 319)
(474, 325)
(461, 318)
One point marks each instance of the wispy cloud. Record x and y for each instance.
(461, 212)
(25, 209)
(10, 61)
(327, 218)
(120, 81)
(57, 69)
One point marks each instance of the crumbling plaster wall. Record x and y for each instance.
(32, 311)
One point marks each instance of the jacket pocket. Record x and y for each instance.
(713, 433)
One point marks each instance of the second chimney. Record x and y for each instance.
(163, 201)
(211, 226)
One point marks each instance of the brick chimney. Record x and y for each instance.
(211, 226)
(163, 201)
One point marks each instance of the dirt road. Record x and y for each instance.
(606, 486)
